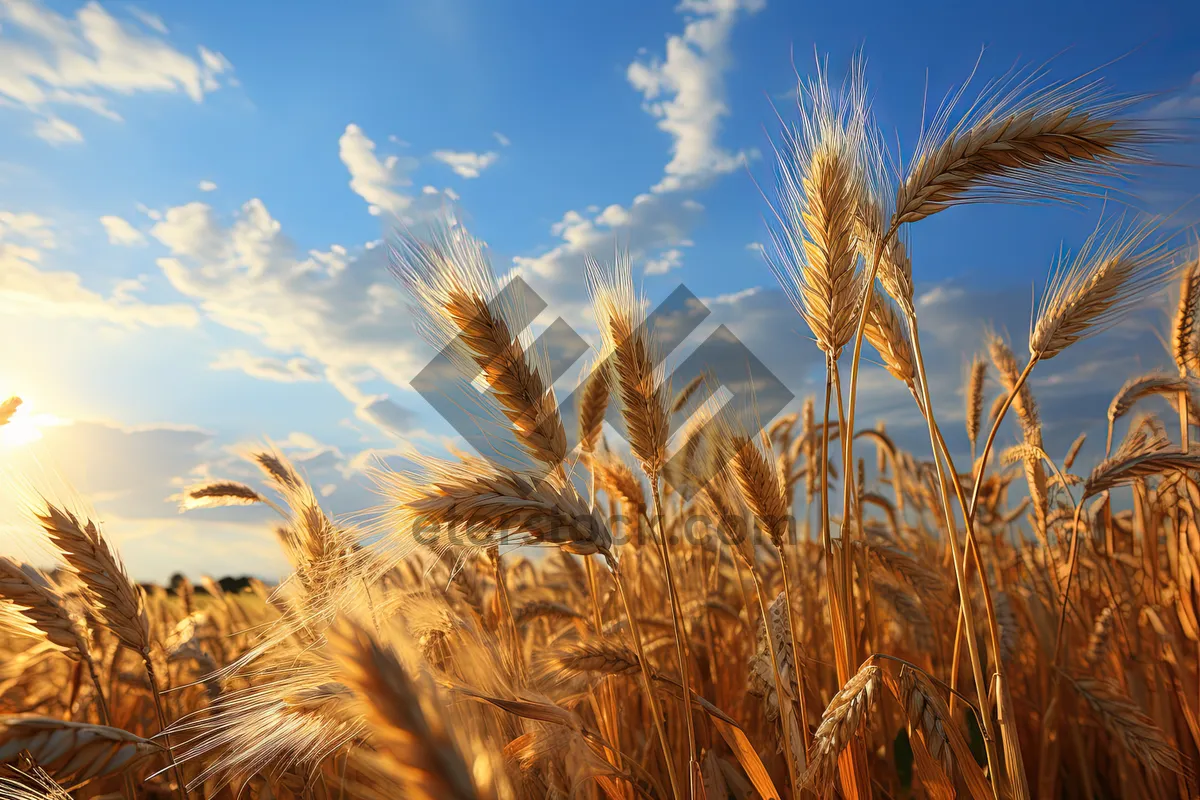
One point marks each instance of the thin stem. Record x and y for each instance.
(647, 678)
(798, 664)
(162, 724)
(780, 694)
(987, 447)
(981, 686)
(685, 670)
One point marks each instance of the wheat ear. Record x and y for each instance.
(74, 750)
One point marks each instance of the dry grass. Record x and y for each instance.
(678, 639)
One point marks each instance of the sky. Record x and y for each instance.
(193, 195)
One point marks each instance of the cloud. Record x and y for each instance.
(466, 164)
(27, 289)
(206, 186)
(55, 130)
(685, 91)
(48, 60)
(501, 139)
(666, 261)
(341, 313)
(265, 368)
(371, 179)
(121, 233)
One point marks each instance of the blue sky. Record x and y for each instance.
(187, 257)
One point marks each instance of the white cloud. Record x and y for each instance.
(342, 314)
(466, 164)
(371, 179)
(206, 186)
(501, 139)
(120, 232)
(56, 130)
(293, 370)
(27, 289)
(47, 59)
(666, 261)
(685, 91)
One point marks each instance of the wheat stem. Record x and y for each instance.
(964, 598)
(647, 678)
(681, 650)
(162, 724)
(779, 687)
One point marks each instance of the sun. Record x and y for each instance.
(26, 425)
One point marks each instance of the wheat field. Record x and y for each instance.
(730, 607)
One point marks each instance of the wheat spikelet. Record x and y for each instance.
(72, 750)
(928, 714)
(616, 477)
(1100, 638)
(485, 504)
(1073, 451)
(35, 607)
(453, 291)
(1143, 453)
(1151, 383)
(844, 715)
(1184, 332)
(116, 599)
(277, 468)
(895, 265)
(593, 403)
(8, 408)
(630, 347)
(761, 488)
(687, 392)
(1135, 732)
(600, 657)
(974, 397)
(1102, 283)
(886, 333)
(822, 184)
(1019, 144)
(404, 722)
(218, 493)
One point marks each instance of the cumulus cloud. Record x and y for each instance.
(466, 164)
(48, 60)
(121, 233)
(342, 314)
(371, 179)
(685, 91)
(666, 261)
(265, 368)
(25, 288)
(206, 186)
